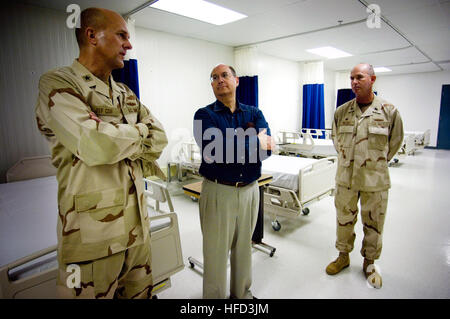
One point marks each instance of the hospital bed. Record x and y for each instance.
(312, 143)
(296, 183)
(421, 138)
(28, 215)
(408, 147)
(317, 143)
(187, 161)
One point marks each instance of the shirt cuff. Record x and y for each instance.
(143, 129)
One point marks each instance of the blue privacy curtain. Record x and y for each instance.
(313, 106)
(128, 75)
(247, 91)
(345, 95)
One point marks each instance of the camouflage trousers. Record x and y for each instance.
(373, 212)
(124, 275)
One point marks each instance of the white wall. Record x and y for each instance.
(418, 98)
(330, 93)
(34, 41)
(174, 79)
(279, 87)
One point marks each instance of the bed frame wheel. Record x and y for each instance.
(305, 211)
(194, 199)
(276, 225)
(191, 264)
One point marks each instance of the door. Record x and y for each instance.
(443, 141)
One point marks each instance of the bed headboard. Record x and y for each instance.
(31, 167)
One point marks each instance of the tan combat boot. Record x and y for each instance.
(372, 275)
(343, 261)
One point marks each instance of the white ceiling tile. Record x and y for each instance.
(415, 68)
(387, 59)
(425, 23)
(445, 66)
(355, 39)
(119, 6)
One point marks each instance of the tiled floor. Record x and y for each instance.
(415, 262)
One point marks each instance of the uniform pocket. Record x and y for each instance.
(344, 156)
(378, 137)
(101, 215)
(345, 135)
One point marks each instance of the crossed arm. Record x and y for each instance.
(63, 113)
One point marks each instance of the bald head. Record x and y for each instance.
(95, 18)
(362, 79)
(224, 65)
(364, 67)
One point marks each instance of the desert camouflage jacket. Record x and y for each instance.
(100, 166)
(365, 143)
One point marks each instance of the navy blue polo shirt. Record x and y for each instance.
(228, 142)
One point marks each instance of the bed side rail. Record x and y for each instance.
(280, 201)
(317, 179)
(41, 284)
(295, 141)
(316, 133)
(157, 192)
(167, 257)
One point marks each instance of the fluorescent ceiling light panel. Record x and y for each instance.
(199, 10)
(381, 69)
(329, 52)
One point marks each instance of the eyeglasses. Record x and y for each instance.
(224, 75)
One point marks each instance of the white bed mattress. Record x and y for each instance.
(320, 148)
(28, 215)
(323, 148)
(285, 170)
(190, 165)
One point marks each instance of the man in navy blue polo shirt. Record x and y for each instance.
(234, 138)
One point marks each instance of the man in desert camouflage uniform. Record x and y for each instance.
(367, 133)
(103, 142)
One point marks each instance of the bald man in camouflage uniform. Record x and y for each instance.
(103, 142)
(367, 133)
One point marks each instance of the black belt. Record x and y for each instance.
(235, 184)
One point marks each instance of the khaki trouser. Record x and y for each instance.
(373, 212)
(228, 217)
(124, 275)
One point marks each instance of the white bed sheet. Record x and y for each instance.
(323, 148)
(285, 170)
